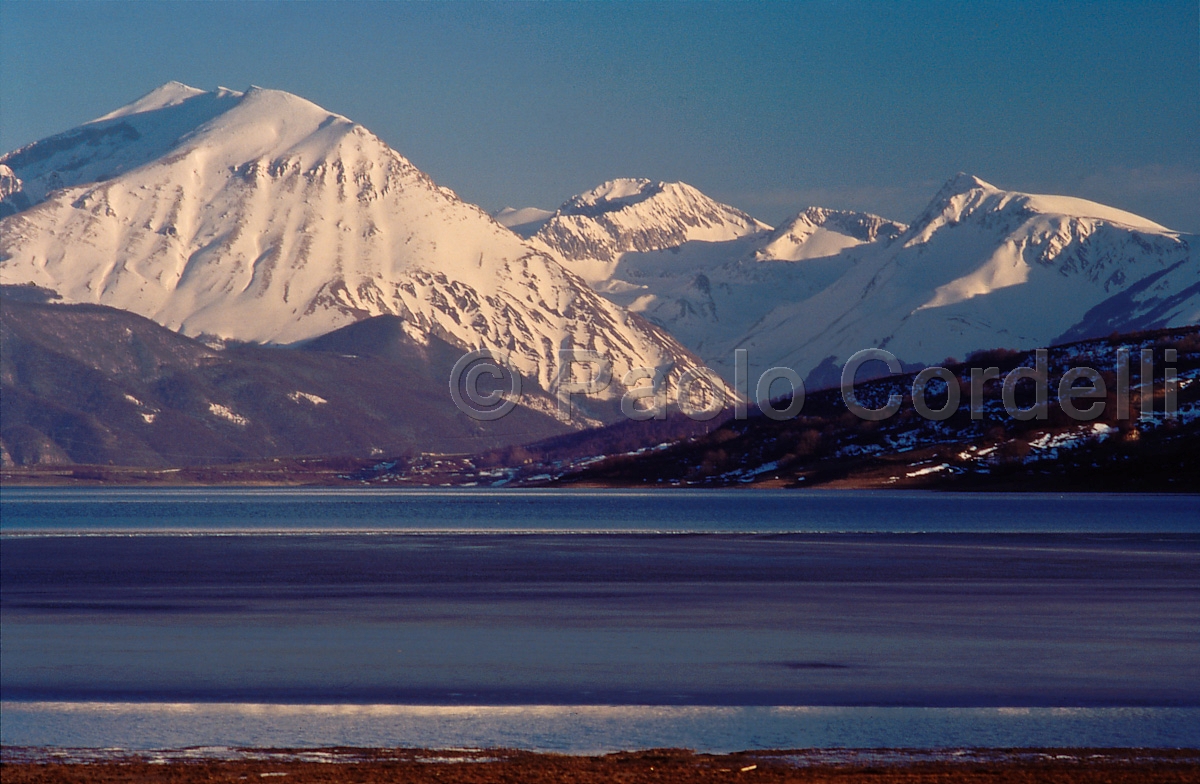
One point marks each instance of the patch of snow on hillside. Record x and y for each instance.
(316, 400)
(224, 412)
(930, 470)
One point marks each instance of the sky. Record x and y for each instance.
(769, 107)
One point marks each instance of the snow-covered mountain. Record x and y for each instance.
(980, 268)
(262, 217)
(984, 268)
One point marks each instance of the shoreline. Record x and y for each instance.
(233, 478)
(22, 765)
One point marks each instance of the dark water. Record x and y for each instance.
(334, 599)
(737, 511)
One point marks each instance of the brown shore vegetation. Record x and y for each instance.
(664, 765)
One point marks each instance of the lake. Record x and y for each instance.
(590, 621)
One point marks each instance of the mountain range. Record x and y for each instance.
(979, 268)
(258, 217)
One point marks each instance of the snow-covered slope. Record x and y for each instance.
(119, 141)
(525, 221)
(818, 233)
(708, 281)
(984, 268)
(260, 216)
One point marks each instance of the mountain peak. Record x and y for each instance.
(611, 196)
(638, 215)
(964, 195)
(818, 232)
(173, 88)
(962, 183)
(620, 188)
(169, 94)
(280, 104)
(959, 197)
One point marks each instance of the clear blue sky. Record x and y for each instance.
(770, 107)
